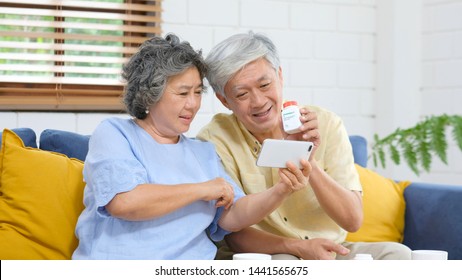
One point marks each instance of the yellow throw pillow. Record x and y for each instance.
(383, 206)
(41, 197)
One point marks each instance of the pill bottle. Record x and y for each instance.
(363, 257)
(291, 117)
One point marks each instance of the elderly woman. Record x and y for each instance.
(153, 193)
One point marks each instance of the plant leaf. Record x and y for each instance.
(376, 138)
(417, 145)
(423, 147)
(382, 157)
(456, 122)
(410, 156)
(438, 138)
(394, 154)
(425, 155)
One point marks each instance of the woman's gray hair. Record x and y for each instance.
(147, 71)
(232, 54)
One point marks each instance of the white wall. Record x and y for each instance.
(442, 76)
(330, 51)
(327, 48)
(399, 52)
(420, 74)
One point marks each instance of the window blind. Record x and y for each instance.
(68, 55)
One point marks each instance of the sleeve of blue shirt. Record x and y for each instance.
(110, 155)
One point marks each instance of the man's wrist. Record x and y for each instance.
(290, 246)
(316, 171)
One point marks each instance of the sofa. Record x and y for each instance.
(432, 212)
(38, 222)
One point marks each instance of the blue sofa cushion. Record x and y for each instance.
(27, 136)
(72, 144)
(76, 145)
(433, 218)
(359, 145)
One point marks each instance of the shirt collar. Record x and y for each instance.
(252, 142)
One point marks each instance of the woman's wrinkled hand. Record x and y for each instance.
(220, 190)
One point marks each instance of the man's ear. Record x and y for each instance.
(281, 77)
(223, 100)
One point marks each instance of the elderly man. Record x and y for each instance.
(247, 78)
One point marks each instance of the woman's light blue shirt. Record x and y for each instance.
(121, 156)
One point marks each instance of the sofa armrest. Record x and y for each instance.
(434, 218)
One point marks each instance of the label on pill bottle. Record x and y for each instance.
(291, 117)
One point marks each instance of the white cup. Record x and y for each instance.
(429, 255)
(284, 257)
(251, 256)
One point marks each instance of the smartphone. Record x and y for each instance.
(276, 153)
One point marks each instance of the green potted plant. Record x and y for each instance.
(418, 144)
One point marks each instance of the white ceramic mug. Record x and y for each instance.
(251, 256)
(429, 255)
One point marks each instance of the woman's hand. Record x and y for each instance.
(218, 189)
(308, 130)
(252, 208)
(294, 179)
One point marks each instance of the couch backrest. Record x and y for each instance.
(359, 145)
(27, 136)
(75, 145)
(72, 144)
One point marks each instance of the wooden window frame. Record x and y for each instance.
(57, 91)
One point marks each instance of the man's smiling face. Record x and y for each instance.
(254, 94)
